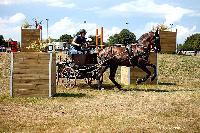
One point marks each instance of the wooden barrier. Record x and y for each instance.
(101, 38)
(29, 36)
(129, 75)
(33, 74)
(168, 41)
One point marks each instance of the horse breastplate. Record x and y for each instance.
(129, 50)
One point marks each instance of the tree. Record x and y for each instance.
(2, 41)
(124, 37)
(49, 40)
(114, 39)
(179, 47)
(1, 37)
(93, 42)
(127, 37)
(26, 24)
(66, 38)
(192, 43)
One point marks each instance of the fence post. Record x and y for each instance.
(4, 68)
(50, 65)
(97, 39)
(11, 75)
(157, 68)
(129, 75)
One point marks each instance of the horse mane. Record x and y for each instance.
(144, 36)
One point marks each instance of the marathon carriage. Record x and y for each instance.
(78, 65)
(85, 65)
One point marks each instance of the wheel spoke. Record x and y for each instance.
(68, 77)
(88, 80)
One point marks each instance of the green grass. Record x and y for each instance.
(171, 106)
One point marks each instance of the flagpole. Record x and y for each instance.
(47, 27)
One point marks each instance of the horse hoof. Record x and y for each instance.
(101, 88)
(139, 81)
(121, 89)
(152, 78)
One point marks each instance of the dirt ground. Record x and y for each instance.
(171, 106)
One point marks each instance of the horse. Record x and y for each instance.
(136, 54)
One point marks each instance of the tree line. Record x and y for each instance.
(192, 43)
(124, 37)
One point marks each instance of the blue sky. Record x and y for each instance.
(68, 16)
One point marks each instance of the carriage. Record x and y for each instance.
(78, 66)
(85, 65)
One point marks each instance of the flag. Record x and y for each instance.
(39, 27)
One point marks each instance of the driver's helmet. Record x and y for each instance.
(82, 31)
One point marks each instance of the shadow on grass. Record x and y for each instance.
(110, 86)
(75, 95)
(160, 91)
(165, 83)
(150, 90)
(106, 86)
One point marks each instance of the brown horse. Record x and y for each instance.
(131, 55)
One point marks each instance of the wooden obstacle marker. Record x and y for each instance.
(129, 75)
(101, 38)
(29, 36)
(168, 41)
(33, 74)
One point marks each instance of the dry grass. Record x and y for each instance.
(4, 72)
(171, 106)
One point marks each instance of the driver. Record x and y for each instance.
(80, 40)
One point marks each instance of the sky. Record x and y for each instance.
(68, 16)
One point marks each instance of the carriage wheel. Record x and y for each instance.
(68, 77)
(88, 80)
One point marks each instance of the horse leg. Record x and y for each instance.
(99, 75)
(154, 71)
(144, 68)
(113, 70)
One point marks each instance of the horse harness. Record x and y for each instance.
(133, 57)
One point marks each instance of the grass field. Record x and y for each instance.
(172, 106)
